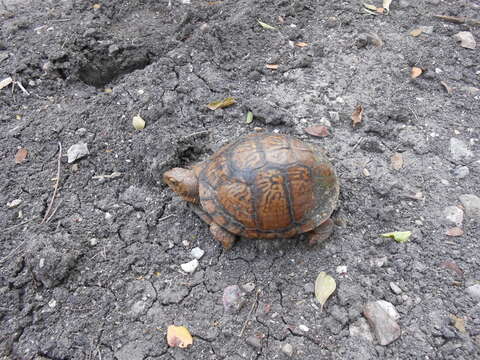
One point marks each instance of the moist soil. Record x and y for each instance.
(96, 274)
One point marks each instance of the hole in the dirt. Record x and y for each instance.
(100, 70)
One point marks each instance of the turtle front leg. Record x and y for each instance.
(226, 238)
(320, 233)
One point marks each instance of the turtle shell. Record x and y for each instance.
(268, 186)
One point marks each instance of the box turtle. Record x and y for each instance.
(261, 186)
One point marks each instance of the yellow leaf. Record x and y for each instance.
(97, 6)
(249, 118)
(370, 7)
(138, 123)
(272, 66)
(325, 285)
(179, 336)
(398, 236)
(266, 26)
(415, 72)
(221, 103)
(459, 323)
(416, 32)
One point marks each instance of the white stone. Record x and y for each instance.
(77, 151)
(453, 215)
(190, 267)
(303, 328)
(197, 253)
(14, 203)
(471, 203)
(341, 269)
(459, 150)
(389, 309)
(287, 349)
(52, 303)
(395, 288)
(474, 291)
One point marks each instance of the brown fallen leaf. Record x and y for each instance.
(450, 265)
(416, 32)
(357, 115)
(272, 66)
(380, 10)
(415, 72)
(21, 155)
(317, 130)
(447, 88)
(221, 103)
(455, 231)
(459, 323)
(301, 44)
(459, 20)
(179, 336)
(396, 161)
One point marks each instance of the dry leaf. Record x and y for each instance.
(138, 123)
(416, 32)
(450, 265)
(455, 231)
(415, 72)
(317, 130)
(365, 172)
(301, 44)
(459, 323)
(386, 5)
(5, 82)
(398, 236)
(266, 26)
(380, 10)
(249, 118)
(396, 161)
(221, 103)
(448, 88)
(97, 6)
(21, 155)
(272, 66)
(325, 285)
(178, 336)
(466, 39)
(357, 115)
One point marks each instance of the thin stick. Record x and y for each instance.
(250, 313)
(56, 183)
(458, 20)
(12, 252)
(19, 84)
(54, 211)
(166, 217)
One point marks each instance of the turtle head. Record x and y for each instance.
(184, 182)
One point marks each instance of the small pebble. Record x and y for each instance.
(389, 308)
(52, 303)
(93, 241)
(453, 215)
(385, 327)
(303, 328)
(197, 253)
(395, 288)
(233, 299)
(459, 150)
(287, 349)
(77, 151)
(190, 267)
(474, 292)
(341, 269)
(248, 287)
(14, 203)
(471, 203)
(461, 172)
(254, 342)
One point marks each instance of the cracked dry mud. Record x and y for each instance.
(101, 279)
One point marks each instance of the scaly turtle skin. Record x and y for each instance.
(261, 186)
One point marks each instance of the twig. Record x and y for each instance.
(12, 252)
(166, 217)
(54, 211)
(459, 20)
(17, 225)
(19, 84)
(47, 213)
(250, 313)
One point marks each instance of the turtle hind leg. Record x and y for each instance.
(223, 236)
(320, 233)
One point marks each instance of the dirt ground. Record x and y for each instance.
(97, 274)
